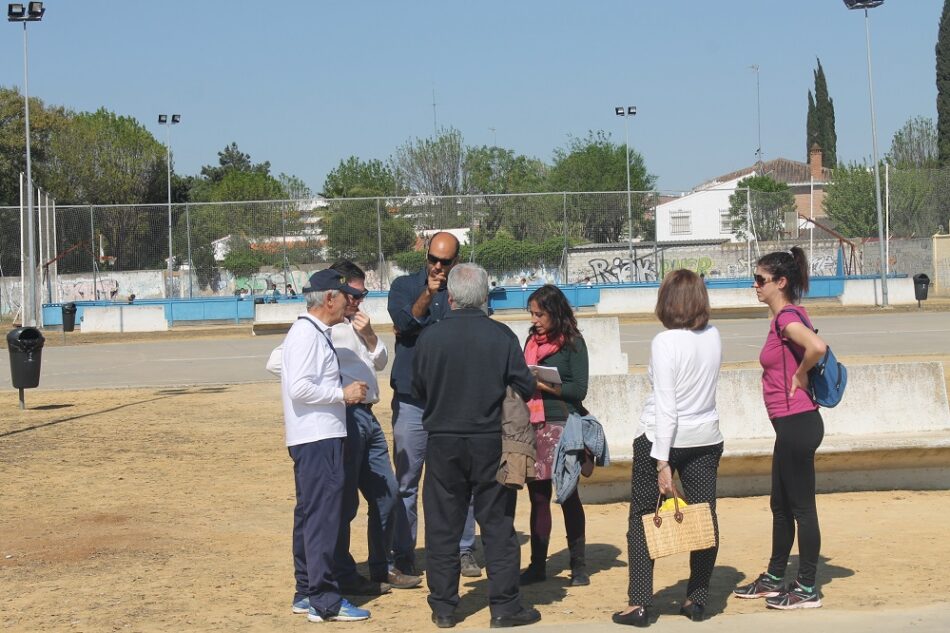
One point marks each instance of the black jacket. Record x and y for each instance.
(462, 366)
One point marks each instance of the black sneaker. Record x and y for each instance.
(764, 587)
(795, 596)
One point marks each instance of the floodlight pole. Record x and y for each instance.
(168, 120)
(877, 171)
(29, 310)
(625, 112)
(865, 5)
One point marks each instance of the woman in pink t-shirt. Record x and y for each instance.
(791, 349)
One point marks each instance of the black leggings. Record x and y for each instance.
(797, 437)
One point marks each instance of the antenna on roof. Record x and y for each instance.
(758, 114)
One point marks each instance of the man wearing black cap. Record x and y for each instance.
(314, 402)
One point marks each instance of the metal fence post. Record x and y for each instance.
(191, 263)
(379, 241)
(471, 200)
(92, 250)
(566, 239)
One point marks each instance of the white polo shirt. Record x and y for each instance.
(356, 360)
(310, 384)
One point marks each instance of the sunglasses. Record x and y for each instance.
(438, 260)
(359, 297)
(760, 280)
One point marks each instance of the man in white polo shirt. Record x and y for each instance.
(315, 402)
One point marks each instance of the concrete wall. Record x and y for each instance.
(610, 264)
(867, 292)
(868, 408)
(905, 255)
(124, 318)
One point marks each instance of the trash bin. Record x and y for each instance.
(25, 345)
(921, 282)
(69, 317)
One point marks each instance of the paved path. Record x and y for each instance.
(928, 619)
(236, 360)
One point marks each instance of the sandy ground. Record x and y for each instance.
(170, 510)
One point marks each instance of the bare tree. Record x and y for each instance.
(433, 166)
(915, 145)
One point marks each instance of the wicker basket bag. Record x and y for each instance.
(683, 530)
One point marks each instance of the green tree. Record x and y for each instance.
(943, 85)
(914, 146)
(101, 158)
(770, 201)
(594, 163)
(351, 231)
(820, 122)
(354, 177)
(849, 200)
(496, 170)
(433, 166)
(46, 122)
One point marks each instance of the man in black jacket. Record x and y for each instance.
(463, 365)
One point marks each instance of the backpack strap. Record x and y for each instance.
(784, 342)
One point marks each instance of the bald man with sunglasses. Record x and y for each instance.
(417, 301)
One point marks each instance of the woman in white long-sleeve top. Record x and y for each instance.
(679, 431)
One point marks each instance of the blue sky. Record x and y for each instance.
(305, 84)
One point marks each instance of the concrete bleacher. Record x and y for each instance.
(892, 429)
(124, 318)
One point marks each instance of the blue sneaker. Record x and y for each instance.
(347, 613)
(302, 605)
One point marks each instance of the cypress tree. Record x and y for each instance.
(943, 86)
(824, 120)
(811, 133)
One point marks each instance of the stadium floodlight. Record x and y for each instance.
(33, 12)
(629, 111)
(164, 120)
(865, 5)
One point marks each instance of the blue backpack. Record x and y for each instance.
(828, 378)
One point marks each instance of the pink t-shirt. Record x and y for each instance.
(775, 386)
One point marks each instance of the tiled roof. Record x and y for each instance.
(780, 170)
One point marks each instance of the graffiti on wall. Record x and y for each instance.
(618, 270)
(83, 290)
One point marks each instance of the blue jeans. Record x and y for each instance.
(409, 448)
(318, 479)
(367, 470)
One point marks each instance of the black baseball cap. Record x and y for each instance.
(329, 279)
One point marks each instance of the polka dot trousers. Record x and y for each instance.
(697, 473)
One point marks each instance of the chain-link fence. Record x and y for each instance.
(220, 248)
(206, 249)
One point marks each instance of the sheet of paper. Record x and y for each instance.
(549, 375)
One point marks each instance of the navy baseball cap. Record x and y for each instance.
(329, 279)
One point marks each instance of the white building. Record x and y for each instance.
(703, 214)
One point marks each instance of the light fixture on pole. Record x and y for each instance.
(163, 119)
(31, 12)
(865, 5)
(629, 111)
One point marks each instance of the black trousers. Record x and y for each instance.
(456, 469)
(697, 468)
(797, 437)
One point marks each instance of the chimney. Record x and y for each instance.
(814, 162)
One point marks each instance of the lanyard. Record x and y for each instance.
(329, 341)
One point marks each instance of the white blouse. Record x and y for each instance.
(681, 412)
